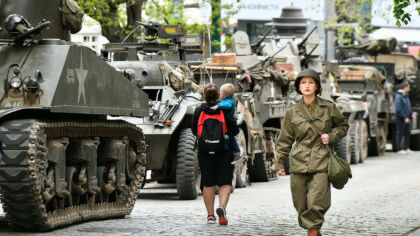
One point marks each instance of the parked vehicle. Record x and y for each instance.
(173, 96)
(62, 160)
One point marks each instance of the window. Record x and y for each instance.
(94, 38)
(85, 38)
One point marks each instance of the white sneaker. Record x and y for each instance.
(402, 152)
(409, 151)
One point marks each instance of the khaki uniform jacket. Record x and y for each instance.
(308, 153)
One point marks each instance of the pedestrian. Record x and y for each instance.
(228, 104)
(214, 157)
(403, 114)
(309, 155)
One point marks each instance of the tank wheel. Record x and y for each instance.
(377, 145)
(48, 194)
(78, 184)
(188, 177)
(27, 187)
(71, 173)
(354, 133)
(242, 175)
(363, 140)
(343, 148)
(102, 196)
(258, 170)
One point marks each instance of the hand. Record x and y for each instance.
(213, 107)
(325, 139)
(413, 116)
(281, 172)
(407, 120)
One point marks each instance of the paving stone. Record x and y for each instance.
(383, 198)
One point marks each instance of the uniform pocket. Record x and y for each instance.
(300, 125)
(296, 150)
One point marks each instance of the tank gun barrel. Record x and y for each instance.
(273, 55)
(256, 47)
(306, 37)
(20, 28)
(305, 58)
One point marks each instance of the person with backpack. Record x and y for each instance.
(215, 154)
(228, 105)
(307, 128)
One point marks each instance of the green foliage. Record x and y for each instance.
(156, 10)
(401, 14)
(352, 20)
(111, 15)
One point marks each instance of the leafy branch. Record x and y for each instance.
(401, 13)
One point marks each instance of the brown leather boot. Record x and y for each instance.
(314, 232)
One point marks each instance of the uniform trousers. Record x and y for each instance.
(311, 193)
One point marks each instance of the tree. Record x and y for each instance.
(116, 17)
(156, 9)
(401, 12)
(351, 19)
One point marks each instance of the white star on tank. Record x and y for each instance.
(81, 74)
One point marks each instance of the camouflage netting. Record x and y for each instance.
(370, 73)
(256, 71)
(373, 47)
(180, 75)
(405, 64)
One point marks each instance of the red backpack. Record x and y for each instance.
(211, 132)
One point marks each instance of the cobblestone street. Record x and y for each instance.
(383, 198)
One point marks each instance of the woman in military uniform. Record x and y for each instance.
(308, 149)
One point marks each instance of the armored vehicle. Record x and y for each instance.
(262, 86)
(358, 91)
(265, 99)
(405, 69)
(224, 68)
(62, 160)
(396, 68)
(173, 96)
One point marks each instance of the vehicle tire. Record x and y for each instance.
(343, 148)
(188, 177)
(354, 133)
(258, 171)
(377, 144)
(364, 140)
(393, 131)
(241, 168)
(415, 142)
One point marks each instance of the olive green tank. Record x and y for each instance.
(62, 160)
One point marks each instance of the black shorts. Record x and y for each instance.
(216, 170)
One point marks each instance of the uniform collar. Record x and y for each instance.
(320, 103)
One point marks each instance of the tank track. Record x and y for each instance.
(23, 172)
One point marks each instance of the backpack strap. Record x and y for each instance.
(222, 119)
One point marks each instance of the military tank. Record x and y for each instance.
(62, 160)
(173, 95)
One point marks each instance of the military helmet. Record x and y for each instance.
(309, 73)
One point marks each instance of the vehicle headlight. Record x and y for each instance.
(16, 82)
